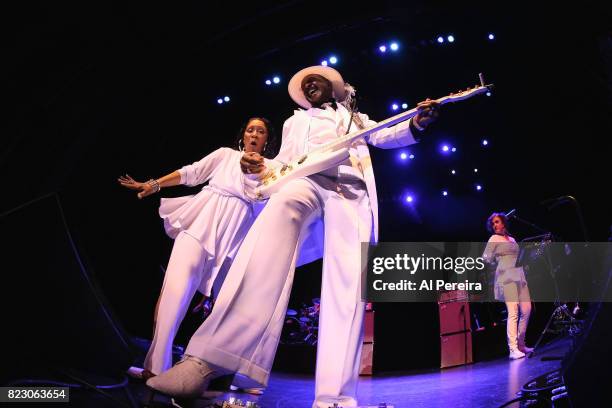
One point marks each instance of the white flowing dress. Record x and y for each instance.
(505, 254)
(219, 216)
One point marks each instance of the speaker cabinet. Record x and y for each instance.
(455, 329)
(367, 351)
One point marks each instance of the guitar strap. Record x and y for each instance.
(358, 121)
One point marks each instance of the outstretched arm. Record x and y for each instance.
(191, 175)
(151, 186)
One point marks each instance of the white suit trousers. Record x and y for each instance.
(518, 314)
(183, 277)
(243, 330)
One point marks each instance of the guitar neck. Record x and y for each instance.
(401, 117)
(334, 152)
(348, 139)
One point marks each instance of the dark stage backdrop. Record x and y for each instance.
(99, 89)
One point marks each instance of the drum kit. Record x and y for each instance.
(302, 327)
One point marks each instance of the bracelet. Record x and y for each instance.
(154, 184)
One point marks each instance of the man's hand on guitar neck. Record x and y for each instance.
(429, 110)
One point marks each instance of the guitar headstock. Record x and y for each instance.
(469, 92)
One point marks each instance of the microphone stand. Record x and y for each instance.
(532, 225)
(552, 203)
(555, 202)
(560, 309)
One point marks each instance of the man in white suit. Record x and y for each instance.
(326, 215)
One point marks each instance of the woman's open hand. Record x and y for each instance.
(144, 189)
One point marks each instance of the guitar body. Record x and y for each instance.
(306, 165)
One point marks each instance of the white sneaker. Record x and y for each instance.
(515, 354)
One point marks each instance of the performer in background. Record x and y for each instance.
(207, 229)
(331, 213)
(510, 285)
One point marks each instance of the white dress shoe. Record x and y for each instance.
(189, 378)
(139, 373)
(135, 372)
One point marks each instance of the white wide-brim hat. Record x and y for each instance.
(333, 76)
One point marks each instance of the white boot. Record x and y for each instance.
(189, 378)
(515, 354)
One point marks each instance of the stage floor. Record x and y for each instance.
(484, 384)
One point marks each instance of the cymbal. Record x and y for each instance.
(291, 312)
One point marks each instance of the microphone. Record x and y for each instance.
(510, 213)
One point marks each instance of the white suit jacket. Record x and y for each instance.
(294, 142)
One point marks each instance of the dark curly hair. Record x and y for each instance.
(270, 149)
(502, 216)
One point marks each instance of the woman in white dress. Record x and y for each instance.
(207, 229)
(510, 284)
